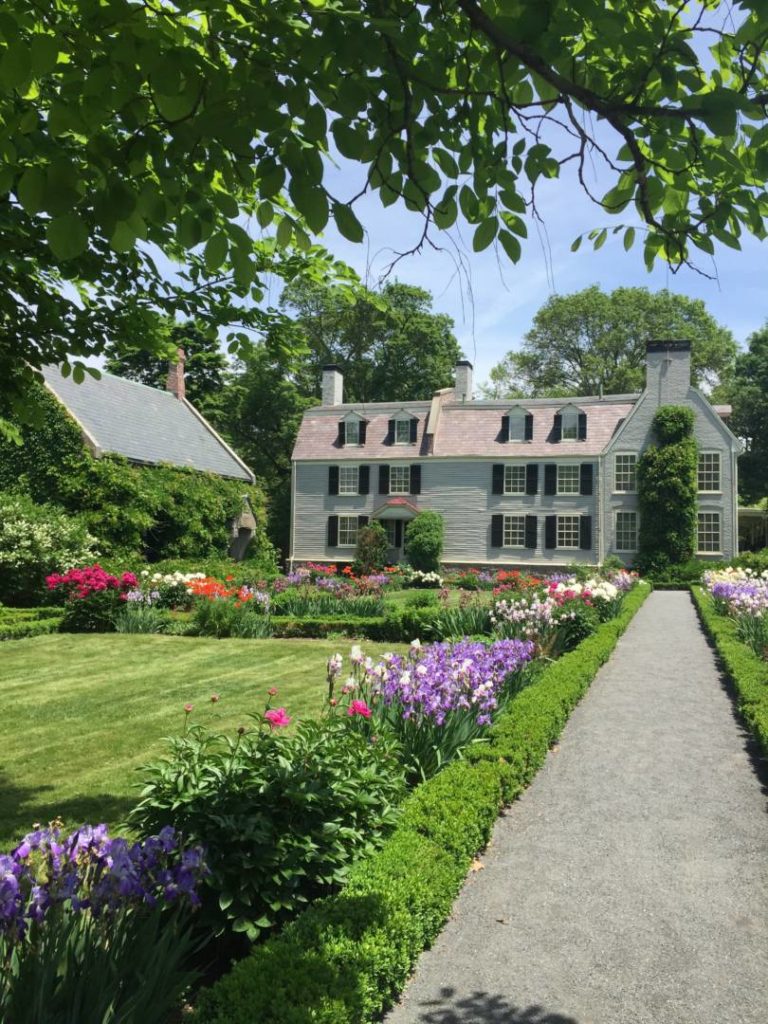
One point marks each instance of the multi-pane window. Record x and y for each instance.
(348, 526)
(568, 531)
(402, 431)
(352, 432)
(625, 474)
(708, 534)
(514, 531)
(570, 424)
(349, 479)
(517, 425)
(709, 471)
(568, 479)
(514, 479)
(399, 479)
(626, 531)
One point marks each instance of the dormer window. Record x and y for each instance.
(570, 424)
(517, 425)
(403, 429)
(352, 431)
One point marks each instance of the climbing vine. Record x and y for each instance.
(149, 511)
(667, 491)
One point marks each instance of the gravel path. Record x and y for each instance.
(629, 885)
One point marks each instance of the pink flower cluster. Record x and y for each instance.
(92, 579)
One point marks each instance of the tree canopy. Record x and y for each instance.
(198, 131)
(593, 340)
(749, 396)
(389, 345)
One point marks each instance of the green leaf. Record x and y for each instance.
(265, 214)
(445, 213)
(67, 236)
(347, 223)
(190, 230)
(31, 189)
(629, 238)
(215, 251)
(600, 239)
(284, 232)
(15, 65)
(510, 244)
(311, 202)
(123, 238)
(576, 243)
(485, 234)
(44, 52)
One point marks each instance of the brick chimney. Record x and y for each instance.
(175, 380)
(463, 377)
(333, 385)
(668, 370)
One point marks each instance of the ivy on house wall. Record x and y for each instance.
(151, 511)
(667, 491)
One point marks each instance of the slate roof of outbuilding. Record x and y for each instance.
(144, 424)
(464, 429)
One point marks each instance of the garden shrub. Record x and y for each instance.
(747, 671)
(136, 617)
(424, 541)
(421, 599)
(281, 817)
(667, 492)
(345, 960)
(372, 550)
(36, 540)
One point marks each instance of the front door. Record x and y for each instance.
(394, 528)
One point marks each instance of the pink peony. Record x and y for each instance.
(188, 708)
(277, 718)
(359, 707)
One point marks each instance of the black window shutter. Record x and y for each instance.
(363, 428)
(415, 479)
(398, 533)
(530, 531)
(585, 533)
(364, 480)
(333, 531)
(333, 479)
(557, 427)
(497, 479)
(497, 531)
(390, 438)
(582, 426)
(528, 426)
(550, 478)
(414, 430)
(362, 521)
(505, 428)
(342, 432)
(532, 478)
(550, 532)
(383, 479)
(585, 478)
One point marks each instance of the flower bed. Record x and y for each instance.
(742, 594)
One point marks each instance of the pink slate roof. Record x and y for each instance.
(470, 429)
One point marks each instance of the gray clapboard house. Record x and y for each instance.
(151, 427)
(530, 482)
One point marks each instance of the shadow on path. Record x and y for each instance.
(483, 1008)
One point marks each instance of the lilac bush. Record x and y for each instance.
(435, 700)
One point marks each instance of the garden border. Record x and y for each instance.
(747, 672)
(347, 957)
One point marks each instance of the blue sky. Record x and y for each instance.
(492, 301)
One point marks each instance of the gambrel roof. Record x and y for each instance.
(144, 424)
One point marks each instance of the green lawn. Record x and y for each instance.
(83, 712)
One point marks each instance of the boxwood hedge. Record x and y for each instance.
(347, 957)
(747, 672)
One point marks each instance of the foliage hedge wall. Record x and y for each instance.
(154, 511)
(667, 491)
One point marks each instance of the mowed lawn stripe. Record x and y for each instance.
(83, 712)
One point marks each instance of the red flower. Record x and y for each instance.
(277, 718)
(359, 707)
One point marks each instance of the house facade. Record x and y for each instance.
(528, 482)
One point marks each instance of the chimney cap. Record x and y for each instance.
(668, 346)
(331, 366)
(465, 362)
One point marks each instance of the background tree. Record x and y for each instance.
(749, 396)
(130, 130)
(590, 340)
(389, 345)
(205, 367)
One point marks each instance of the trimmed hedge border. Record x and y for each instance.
(747, 672)
(24, 628)
(346, 958)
